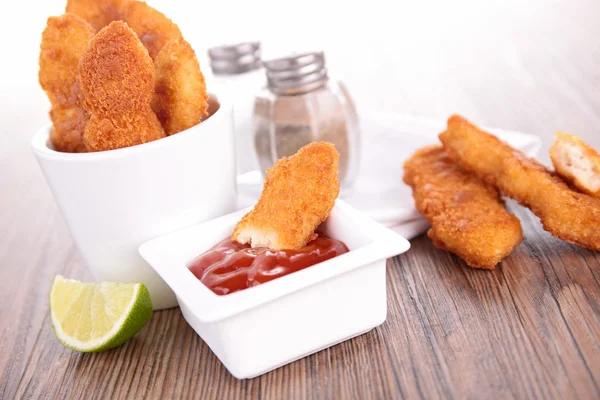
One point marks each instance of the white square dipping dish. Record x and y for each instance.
(258, 329)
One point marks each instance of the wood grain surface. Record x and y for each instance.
(529, 329)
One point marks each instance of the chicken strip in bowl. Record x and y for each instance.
(63, 42)
(117, 83)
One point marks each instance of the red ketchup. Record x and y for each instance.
(229, 266)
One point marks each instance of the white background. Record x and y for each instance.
(490, 60)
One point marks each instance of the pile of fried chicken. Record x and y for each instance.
(457, 187)
(118, 73)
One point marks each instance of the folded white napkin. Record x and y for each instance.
(387, 140)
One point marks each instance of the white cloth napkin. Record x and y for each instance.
(387, 140)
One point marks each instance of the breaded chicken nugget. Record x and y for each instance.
(467, 216)
(577, 163)
(567, 214)
(117, 83)
(298, 195)
(63, 42)
(153, 28)
(180, 99)
(98, 13)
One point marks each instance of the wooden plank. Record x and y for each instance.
(529, 329)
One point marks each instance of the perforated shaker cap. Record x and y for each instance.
(235, 59)
(296, 74)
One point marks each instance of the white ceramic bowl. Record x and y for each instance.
(264, 327)
(115, 200)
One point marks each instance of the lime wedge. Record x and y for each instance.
(91, 317)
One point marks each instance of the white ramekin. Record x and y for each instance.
(115, 200)
(264, 327)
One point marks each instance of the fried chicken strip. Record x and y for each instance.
(63, 42)
(577, 163)
(98, 13)
(117, 83)
(298, 195)
(467, 216)
(153, 28)
(567, 214)
(180, 100)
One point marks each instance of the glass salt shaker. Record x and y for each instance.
(301, 105)
(237, 70)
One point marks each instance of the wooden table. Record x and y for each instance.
(529, 329)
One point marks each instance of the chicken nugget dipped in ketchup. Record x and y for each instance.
(298, 195)
(117, 82)
(63, 42)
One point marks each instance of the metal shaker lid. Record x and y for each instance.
(235, 59)
(300, 73)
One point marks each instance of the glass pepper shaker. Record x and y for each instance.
(237, 70)
(301, 105)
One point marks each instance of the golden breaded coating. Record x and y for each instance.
(98, 13)
(567, 214)
(180, 100)
(63, 42)
(577, 163)
(153, 28)
(467, 216)
(298, 195)
(117, 83)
